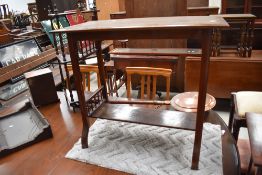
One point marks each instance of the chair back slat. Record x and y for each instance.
(128, 85)
(148, 72)
(148, 86)
(154, 87)
(86, 75)
(142, 86)
(167, 88)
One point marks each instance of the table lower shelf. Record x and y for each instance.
(142, 115)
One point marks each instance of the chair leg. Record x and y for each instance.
(231, 117)
(231, 114)
(84, 137)
(115, 83)
(236, 128)
(111, 85)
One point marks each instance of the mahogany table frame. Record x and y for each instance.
(200, 27)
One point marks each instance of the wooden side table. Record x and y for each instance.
(199, 27)
(246, 23)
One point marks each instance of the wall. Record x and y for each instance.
(216, 3)
(106, 7)
(17, 5)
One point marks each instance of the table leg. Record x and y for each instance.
(251, 37)
(219, 42)
(246, 36)
(72, 43)
(241, 44)
(214, 43)
(206, 43)
(101, 68)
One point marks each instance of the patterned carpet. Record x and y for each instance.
(149, 150)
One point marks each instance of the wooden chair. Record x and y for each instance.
(148, 72)
(86, 71)
(242, 102)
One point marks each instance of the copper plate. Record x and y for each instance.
(187, 102)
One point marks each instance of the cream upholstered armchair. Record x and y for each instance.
(242, 102)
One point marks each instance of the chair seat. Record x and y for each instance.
(248, 101)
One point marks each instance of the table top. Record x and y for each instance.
(236, 16)
(136, 24)
(157, 51)
(254, 125)
(202, 8)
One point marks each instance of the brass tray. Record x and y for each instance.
(187, 102)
